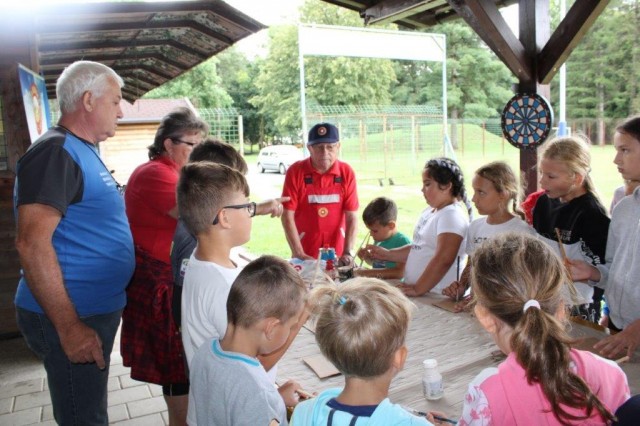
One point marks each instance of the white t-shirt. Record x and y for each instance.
(480, 230)
(449, 219)
(204, 303)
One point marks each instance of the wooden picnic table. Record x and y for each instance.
(457, 341)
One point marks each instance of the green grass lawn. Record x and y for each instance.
(267, 235)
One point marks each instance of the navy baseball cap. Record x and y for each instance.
(323, 133)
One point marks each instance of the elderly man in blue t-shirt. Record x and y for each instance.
(75, 245)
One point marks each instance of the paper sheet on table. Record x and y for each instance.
(321, 366)
(446, 304)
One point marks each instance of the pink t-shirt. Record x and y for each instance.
(502, 396)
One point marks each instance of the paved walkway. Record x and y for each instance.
(24, 396)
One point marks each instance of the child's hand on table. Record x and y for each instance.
(454, 291)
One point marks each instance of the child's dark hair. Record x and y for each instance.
(268, 287)
(507, 271)
(446, 171)
(504, 181)
(360, 324)
(381, 210)
(631, 127)
(216, 151)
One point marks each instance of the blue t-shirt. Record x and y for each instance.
(93, 241)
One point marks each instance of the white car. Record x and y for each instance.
(278, 158)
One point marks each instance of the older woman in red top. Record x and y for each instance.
(150, 343)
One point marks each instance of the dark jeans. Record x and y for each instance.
(78, 391)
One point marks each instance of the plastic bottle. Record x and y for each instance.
(331, 270)
(432, 385)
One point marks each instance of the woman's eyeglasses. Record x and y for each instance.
(177, 141)
(251, 209)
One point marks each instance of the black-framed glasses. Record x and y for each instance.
(251, 209)
(177, 141)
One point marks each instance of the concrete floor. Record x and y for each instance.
(24, 396)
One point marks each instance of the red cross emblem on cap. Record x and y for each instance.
(322, 131)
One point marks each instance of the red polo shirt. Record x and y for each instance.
(320, 202)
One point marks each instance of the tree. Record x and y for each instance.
(201, 85)
(603, 71)
(238, 76)
(278, 83)
(329, 81)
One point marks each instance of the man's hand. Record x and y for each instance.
(82, 344)
(345, 260)
(272, 207)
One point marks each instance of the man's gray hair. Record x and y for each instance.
(80, 77)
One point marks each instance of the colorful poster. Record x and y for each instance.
(36, 102)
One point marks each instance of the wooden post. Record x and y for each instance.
(535, 30)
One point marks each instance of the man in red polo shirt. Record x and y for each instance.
(323, 205)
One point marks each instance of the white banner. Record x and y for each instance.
(322, 40)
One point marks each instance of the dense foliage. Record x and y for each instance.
(603, 75)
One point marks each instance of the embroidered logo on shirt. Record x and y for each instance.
(323, 212)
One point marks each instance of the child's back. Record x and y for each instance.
(361, 316)
(507, 388)
(204, 298)
(325, 410)
(229, 386)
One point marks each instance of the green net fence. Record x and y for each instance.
(385, 144)
(223, 122)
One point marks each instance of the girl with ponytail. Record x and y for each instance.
(436, 256)
(517, 282)
(495, 195)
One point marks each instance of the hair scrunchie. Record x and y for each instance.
(531, 303)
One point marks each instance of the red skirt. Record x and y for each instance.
(150, 342)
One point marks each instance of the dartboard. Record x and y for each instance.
(526, 120)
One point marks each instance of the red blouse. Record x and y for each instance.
(149, 196)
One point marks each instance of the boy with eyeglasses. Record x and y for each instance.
(214, 206)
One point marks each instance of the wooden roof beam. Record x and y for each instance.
(52, 28)
(566, 37)
(217, 7)
(55, 46)
(63, 61)
(394, 10)
(485, 19)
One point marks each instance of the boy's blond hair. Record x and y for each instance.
(203, 190)
(268, 287)
(361, 324)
